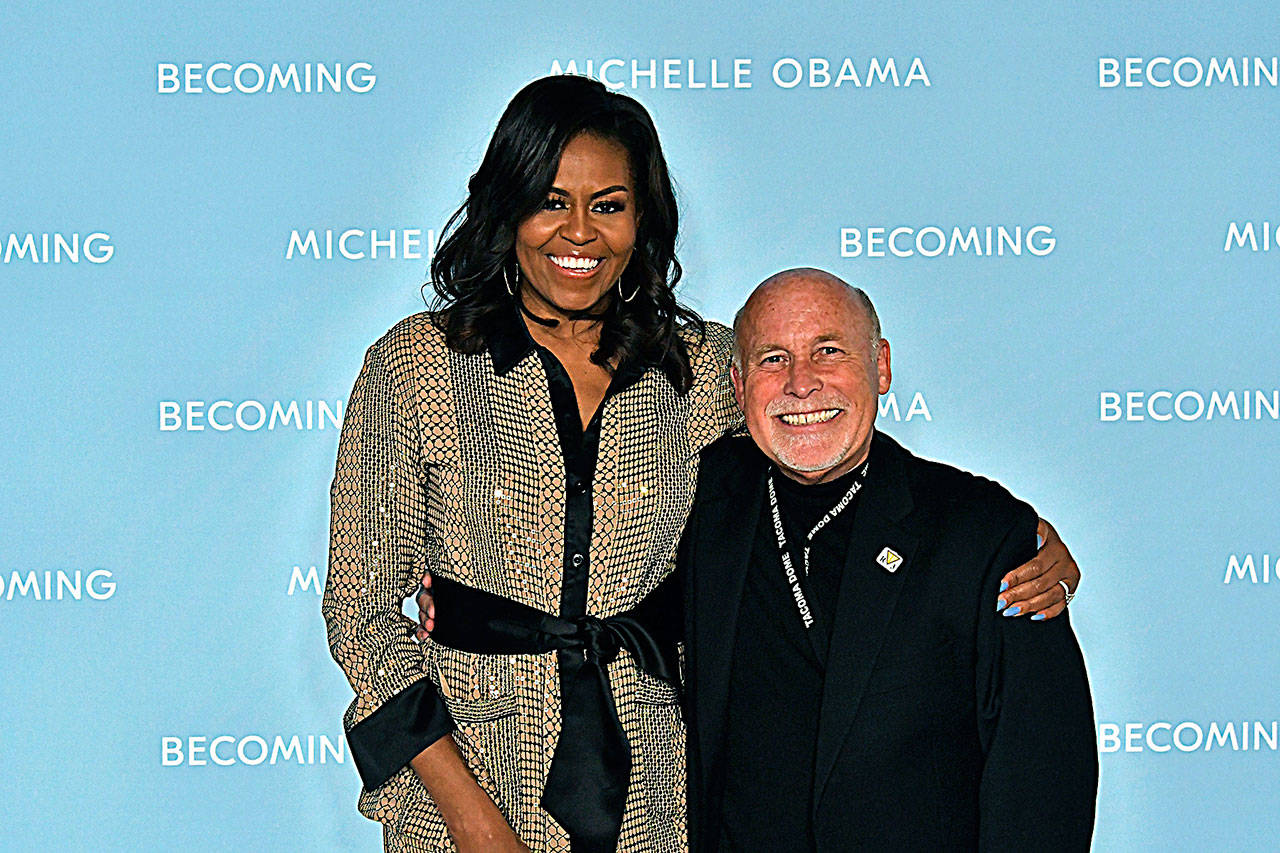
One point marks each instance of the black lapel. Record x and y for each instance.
(868, 595)
(726, 528)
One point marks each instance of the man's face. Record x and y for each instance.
(809, 380)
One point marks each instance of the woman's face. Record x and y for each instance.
(576, 245)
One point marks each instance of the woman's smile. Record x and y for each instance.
(576, 266)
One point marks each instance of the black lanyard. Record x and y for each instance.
(788, 565)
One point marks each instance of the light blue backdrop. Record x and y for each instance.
(181, 613)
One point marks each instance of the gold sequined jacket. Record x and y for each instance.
(445, 464)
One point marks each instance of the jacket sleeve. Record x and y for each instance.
(712, 408)
(376, 558)
(1040, 775)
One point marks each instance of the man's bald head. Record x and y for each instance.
(805, 275)
(808, 366)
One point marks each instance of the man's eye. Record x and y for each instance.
(772, 359)
(830, 350)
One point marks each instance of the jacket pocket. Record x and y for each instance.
(476, 688)
(655, 691)
(661, 767)
(483, 710)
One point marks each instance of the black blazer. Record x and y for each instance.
(944, 725)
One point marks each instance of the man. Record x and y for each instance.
(850, 686)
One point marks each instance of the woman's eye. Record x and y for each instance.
(610, 206)
(553, 203)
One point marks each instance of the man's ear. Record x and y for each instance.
(735, 376)
(882, 367)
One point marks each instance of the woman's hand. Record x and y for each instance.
(426, 609)
(1033, 587)
(474, 822)
(492, 833)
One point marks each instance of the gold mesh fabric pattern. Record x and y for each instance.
(446, 465)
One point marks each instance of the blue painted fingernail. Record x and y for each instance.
(1000, 605)
(1004, 585)
(1013, 611)
(1039, 617)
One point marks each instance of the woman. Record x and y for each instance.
(534, 443)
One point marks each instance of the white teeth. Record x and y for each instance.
(569, 262)
(806, 418)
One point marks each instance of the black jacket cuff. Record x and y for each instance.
(398, 730)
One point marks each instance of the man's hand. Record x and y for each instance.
(1033, 587)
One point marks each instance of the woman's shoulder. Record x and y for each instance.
(410, 339)
(712, 409)
(710, 348)
(411, 355)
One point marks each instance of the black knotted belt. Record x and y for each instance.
(586, 787)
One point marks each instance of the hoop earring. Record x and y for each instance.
(626, 298)
(507, 281)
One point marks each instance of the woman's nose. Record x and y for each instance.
(578, 228)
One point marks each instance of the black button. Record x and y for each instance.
(578, 485)
(577, 560)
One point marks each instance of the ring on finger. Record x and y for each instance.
(1067, 591)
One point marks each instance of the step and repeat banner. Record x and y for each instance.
(1067, 215)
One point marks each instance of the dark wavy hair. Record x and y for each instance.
(513, 180)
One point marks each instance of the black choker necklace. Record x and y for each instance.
(588, 313)
(541, 321)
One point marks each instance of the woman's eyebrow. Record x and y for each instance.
(606, 191)
(613, 189)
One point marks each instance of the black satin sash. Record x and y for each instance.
(586, 786)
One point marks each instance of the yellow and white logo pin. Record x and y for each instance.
(890, 559)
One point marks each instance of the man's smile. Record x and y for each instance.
(820, 416)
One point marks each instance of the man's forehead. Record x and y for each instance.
(785, 335)
(794, 314)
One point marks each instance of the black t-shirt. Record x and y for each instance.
(775, 686)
